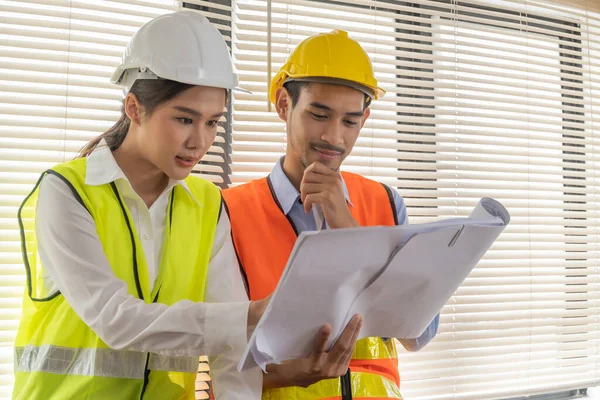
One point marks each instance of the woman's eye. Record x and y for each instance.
(185, 121)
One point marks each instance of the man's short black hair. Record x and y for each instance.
(294, 88)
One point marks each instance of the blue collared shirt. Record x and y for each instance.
(289, 199)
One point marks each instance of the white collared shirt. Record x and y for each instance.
(76, 264)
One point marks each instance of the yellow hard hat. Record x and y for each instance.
(329, 57)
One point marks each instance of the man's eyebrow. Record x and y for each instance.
(324, 107)
(320, 105)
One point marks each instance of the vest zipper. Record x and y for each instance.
(346, 386)
(135, 271)
(146, 376)
(146, 369)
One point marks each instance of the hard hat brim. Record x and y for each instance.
(117, 78)
(375, 93)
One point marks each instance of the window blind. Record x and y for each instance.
(485, 98)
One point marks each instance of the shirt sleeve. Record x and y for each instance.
(422, 341)
(401, 211)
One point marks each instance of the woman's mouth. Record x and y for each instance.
(187, 162)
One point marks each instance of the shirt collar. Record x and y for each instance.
(102, 168)
(285, 192)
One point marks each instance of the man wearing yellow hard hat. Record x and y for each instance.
(322, 93)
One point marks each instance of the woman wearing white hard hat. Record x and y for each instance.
(130, 266)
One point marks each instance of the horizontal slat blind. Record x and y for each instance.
(485, 98)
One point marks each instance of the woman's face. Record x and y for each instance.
(179, 132)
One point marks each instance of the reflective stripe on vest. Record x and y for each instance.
(159, 362)
(97, 362)
(371, 348)
(364, 385)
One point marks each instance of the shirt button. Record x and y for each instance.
(146, 237)
(227, 347)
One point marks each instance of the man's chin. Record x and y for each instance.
(331, 164)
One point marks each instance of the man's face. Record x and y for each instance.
(324, 124)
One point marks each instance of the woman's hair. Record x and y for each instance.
(151, 93)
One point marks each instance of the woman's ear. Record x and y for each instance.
(133, 108)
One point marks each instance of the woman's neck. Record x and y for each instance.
(145, 178)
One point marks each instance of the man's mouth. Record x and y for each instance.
(327, 154)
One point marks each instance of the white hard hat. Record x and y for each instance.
(183, 47)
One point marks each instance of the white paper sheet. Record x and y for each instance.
(397, 278)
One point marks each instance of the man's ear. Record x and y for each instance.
(283, 103)
(133, 108)
(365, 117)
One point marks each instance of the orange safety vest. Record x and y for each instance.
(264, 237)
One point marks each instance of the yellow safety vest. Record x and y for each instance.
(57, 356)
